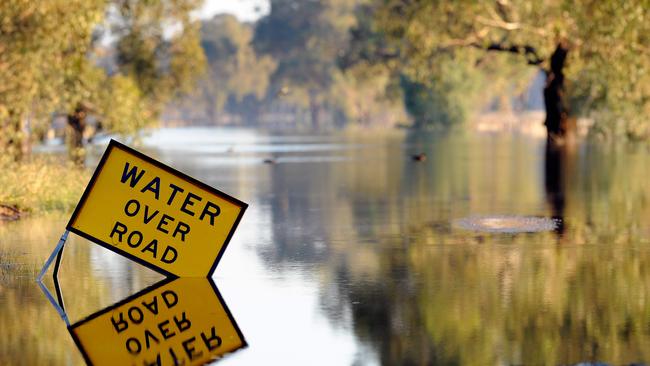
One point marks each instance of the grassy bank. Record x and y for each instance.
(41, 184)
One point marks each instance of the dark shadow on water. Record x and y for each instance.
(556, 163)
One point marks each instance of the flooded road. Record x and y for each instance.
(350, 252)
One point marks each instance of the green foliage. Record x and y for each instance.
(610, 75)
(444, 100)
(48, 65)
(159, 48)
(362, 97)
(305, 37)
(235, 70)
(122, 107)
(285, 66)
(608, 45)
(42, 43)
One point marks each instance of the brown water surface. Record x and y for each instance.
(350, 253)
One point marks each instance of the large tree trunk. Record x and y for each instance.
(77, 124)
(560, 128)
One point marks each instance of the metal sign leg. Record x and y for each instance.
(58, 307)
(56, 254)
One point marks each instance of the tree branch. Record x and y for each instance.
(509, 26)
(530, 52)
(498, 20)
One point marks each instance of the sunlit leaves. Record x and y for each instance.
(41, 44)
(122, 108)
(609, 46)
(235, 70)
(48, 61)
(158, 46)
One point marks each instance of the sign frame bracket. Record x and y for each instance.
(57, 307)
(56, 254)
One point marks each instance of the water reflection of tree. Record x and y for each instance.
(297, 224)
(556, 159)
(421, 292)
(527, 302)
(32, 331)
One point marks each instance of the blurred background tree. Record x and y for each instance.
(42, 45)
(118, 66)
(119, 61)
(283, 70)
(594, 54)
(305, 37)
(155, 56)
(237, 79)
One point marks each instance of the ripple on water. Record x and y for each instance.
(507, 224)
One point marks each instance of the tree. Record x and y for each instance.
(42, 43)
(306, 38)
(592, 52)
(446, 98)
(235, 71)
(157, 56)
(49, 65)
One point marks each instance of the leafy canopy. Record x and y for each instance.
(51, 52)
(609, 45)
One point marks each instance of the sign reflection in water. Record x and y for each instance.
(183, 321)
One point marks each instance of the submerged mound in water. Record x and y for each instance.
(507, 224)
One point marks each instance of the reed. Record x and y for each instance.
(41, 184)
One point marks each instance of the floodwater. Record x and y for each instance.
(354, 253)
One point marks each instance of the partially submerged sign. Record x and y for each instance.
(155, 215)
(182, 322)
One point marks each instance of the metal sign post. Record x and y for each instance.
(57, 253)
(57, 306)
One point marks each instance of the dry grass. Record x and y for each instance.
(41, 184)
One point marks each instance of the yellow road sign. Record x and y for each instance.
(155, 215)
(175, 322)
